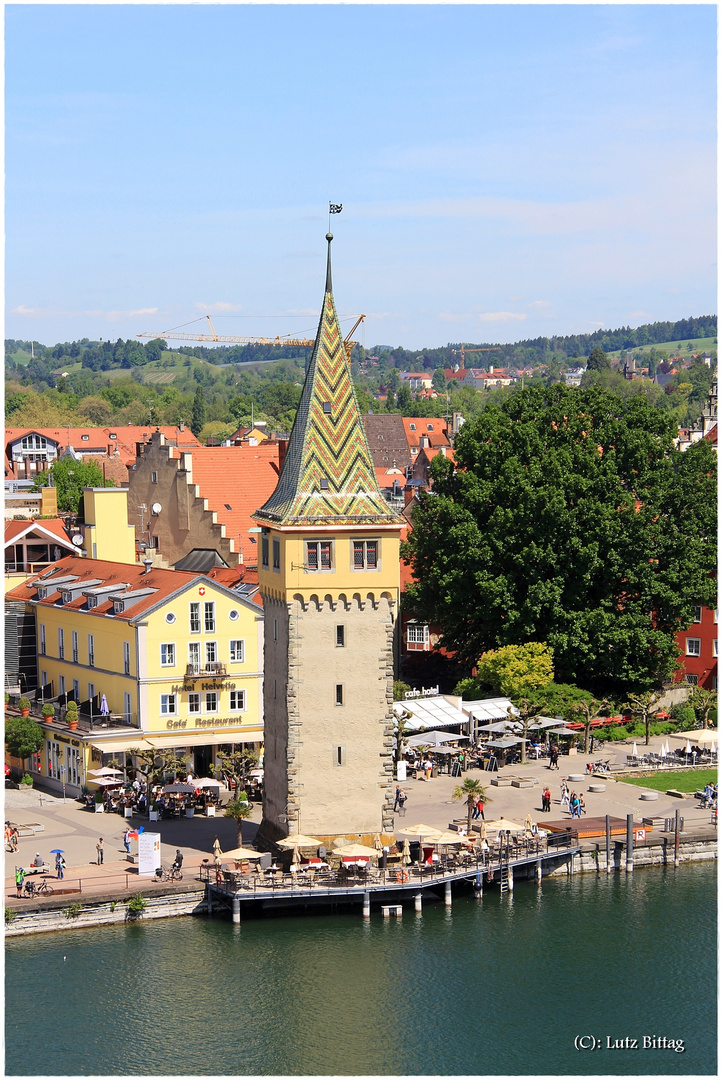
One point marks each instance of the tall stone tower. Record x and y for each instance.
(329, 576)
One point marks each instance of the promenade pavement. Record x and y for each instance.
(68, 825)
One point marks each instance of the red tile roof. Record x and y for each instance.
(237, 481)
(164, 583)
(53, 525)
(435, 430)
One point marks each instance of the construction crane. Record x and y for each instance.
(232, 339)
(464, 351)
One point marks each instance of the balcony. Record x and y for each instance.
(204, 671)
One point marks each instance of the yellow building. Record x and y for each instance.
(155, 658)
(329, 576)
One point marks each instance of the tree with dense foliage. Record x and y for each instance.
(70, 477)
(590, 709)
(559, 699)
(238, 764)
(438, 380)
(23, 736)
(240, 810)
(515, 670)
(598, 360)
(703, 702)
(198, 416)
(569, 518)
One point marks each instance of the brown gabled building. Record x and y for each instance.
(387, 441)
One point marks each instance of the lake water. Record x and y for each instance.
(498, 986)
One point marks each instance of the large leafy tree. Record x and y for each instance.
(23, 736)
(70, 477)
(571, 519)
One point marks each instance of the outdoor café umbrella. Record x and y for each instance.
(378, 846)
(178, 789)
(242, 853)
(432, 738)
(105, 771)
(405, 854)
(206, 782)
(356, 851)
(448, 837)
(298, 840)
(702, 737)
(104, 710)
(217, 853)
(528, 823)
(504, 825)
(635, 752)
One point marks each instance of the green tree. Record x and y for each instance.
(404, 399)
(559, 699)
(515, 670)
(598, 360)
(154, 765)
(438, 380)
(590, 709)
(70, 477)
(238, 764)
(470, 792)
(644, 706)
(570, 519)
(23, 736)
(703, 702)
(526, 711)
(198, 416)
(240, 811)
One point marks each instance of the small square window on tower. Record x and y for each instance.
(324, 483)
(340, 636)
(339, 693)
(327, 407)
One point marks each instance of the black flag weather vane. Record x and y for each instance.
(333, 208)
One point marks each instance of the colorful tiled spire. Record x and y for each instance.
(327, 477)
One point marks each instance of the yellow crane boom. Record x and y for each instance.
(233, 339)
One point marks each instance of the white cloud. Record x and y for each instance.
(219, 307)
(95, 313)
(539, 304)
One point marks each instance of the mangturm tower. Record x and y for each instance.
(329, 576)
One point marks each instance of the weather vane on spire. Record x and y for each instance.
(333, 208)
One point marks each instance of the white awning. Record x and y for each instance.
(430, 712)
(114, 746)
(489, 709)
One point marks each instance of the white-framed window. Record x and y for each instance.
(209, 616)
(264, 552)
(237, 648)
(194, 613)
(714, 647)
(61, 684)
(126, 657)
(72, 765)
(54, 752)
(74, 645)
(694, 646)
(412, 427)
(91, 650)
(127, 708)
(34, 442)
(339, 693)
(697, 614)
(692, 680)
(61, 643)
(319, 554)
(91, 602)
(211, 701)
(41, 631)
(365, 554)
(168, 704)
(167, 654)
(194, 657)
(417, 634)
(277, 555)
(194, 703)
(238, 700)
(211, 652)
(340, 637)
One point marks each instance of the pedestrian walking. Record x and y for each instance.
(546, 800)
(59, 865)
(100, 850)
(554, 757)
(565, 796)
(126, 840)
(582, 807)
(396, 798)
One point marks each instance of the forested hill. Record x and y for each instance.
(107, 355)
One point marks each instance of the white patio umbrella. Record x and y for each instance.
(635, 752)
(298, 840)
(105, 771)
(178, 789)
(104, 710)
(356, 851)
(206, 782)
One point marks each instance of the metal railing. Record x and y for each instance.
(214, 667)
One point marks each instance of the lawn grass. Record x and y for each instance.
(680, 781)
(708, 344)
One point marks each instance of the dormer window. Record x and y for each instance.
(112, 435)
(92, 601)
(412, 427)
(429, 427)
(85, 438)
(66, 597)
(42, 592)
(118, 607)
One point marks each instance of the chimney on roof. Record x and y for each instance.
(181, 425)
(491, 369)
(148, 564)
(424, 441)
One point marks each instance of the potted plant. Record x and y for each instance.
(71, 715)
(27, 780)
(99, 804)
(154, 811)
(24, 706)
(48, 712)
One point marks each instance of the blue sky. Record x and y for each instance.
(505, 171)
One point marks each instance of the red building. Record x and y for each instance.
(698, 647)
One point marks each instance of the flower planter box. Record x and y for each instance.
(210, 811)
(99, 808)
(154, 815)
(190, 813)
(127, 811)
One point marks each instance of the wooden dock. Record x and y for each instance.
(585, 827)
(382, 887)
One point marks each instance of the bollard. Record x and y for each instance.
(630, 844)
(608, 832)
(367, 906)
(237, 912)
(447, 894)
(417, 903)
(676, 838)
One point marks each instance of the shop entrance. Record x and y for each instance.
(203, 760)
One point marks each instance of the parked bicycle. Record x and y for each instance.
(172, 874)
(43, 889)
